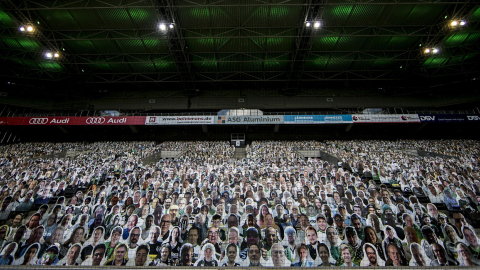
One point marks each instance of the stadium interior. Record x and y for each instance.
(239, 133)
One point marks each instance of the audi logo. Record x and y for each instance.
(38, 121)
(95, 120)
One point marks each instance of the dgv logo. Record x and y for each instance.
(427, 118)
(473, 117)
(38, 121)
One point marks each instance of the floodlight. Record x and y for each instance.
(163, 27)
(56, 55)
(435, 50)
(316, 25)
(22, 29)
(307, 24)
(454, 23)
(49, 55)
(171, 26)
(427, 51)
(462, 23)
(29, 29)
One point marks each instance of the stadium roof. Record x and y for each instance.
(239, 44)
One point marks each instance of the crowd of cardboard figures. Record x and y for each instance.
(376, 206)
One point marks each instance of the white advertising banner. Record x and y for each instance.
(385, 118)
(179, 120)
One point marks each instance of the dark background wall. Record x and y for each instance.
(462, 95)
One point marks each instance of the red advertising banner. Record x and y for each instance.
(73, 120)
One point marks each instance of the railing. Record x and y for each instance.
(423, 153)
(311, 148)
(51, 156)
(172, 153)
(14, 112)
(413, 152)
(308, 153)
(299, 155)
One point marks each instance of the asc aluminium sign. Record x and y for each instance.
(318, 119)
(249, 120)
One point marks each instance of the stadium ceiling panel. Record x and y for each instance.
(230, 44)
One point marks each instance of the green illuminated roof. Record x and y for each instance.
(239, 43)
(5, 19)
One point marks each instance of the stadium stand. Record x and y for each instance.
(271, 208)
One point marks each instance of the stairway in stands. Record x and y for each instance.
(240, 153)
(156, 157)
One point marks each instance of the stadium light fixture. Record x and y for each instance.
(316, 25)
(308, 24)
(171, 26)
(26, 28)
(52, 55)
(162, 27)
(456, 24)
(431, 51)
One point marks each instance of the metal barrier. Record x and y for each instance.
(17, 112)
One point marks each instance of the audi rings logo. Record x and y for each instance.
(38, 121)
(95, 120)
